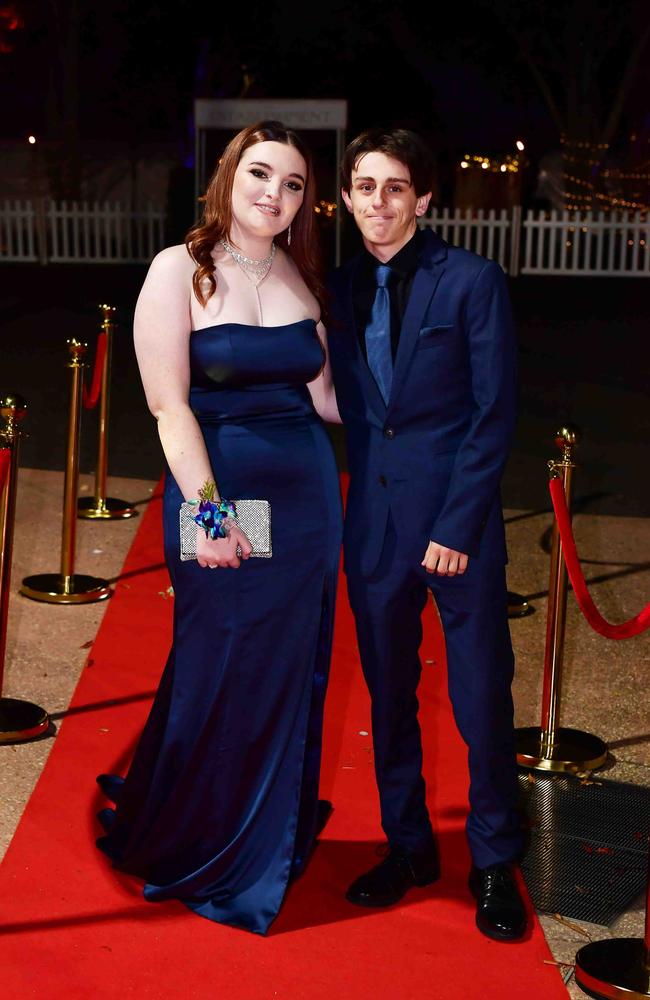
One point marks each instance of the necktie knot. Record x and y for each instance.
(383, 273)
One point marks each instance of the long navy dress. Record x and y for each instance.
(219, 806)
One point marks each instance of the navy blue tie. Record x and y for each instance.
(378, 346)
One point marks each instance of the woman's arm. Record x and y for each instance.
(161, 335)
(322, 388)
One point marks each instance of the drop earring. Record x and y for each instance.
(289, 235)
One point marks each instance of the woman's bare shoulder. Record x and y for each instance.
(172, 261)
(166, 292)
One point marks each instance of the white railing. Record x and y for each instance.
(80, 232)
(539, 243)
(587, 243)
(18, 231)
(489, 233)
(606, 244)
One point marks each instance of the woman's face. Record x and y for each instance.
(267, 191)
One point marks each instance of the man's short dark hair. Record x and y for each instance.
(398, 143)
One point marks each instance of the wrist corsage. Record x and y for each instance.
(216, 516)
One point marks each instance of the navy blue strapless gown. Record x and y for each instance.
(219, 806)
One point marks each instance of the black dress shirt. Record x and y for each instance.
(405, 264)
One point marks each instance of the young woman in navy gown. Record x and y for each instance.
(220, 806)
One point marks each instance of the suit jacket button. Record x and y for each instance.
(383, 481)
(389, 432)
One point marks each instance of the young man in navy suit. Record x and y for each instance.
(423, 356)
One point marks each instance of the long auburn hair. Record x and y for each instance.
(217, 214)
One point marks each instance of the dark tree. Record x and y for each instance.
(585, 57)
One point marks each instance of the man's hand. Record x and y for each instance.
(442, 561)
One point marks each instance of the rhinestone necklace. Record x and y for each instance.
(255, 270)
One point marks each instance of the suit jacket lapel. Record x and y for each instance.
(425, 283)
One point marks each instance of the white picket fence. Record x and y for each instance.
(612, 244)
(80, 232)
(490, 233)
(540, 243)
(606, 244)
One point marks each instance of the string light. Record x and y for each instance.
(623, 176)
(583, 145)
(622, 202)
(589, 154)
(325, 208)
(578, 159)
(509, 165)
(613, 201)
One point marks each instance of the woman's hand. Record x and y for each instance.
(221, 553)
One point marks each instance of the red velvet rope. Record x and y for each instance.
(90, 398)
(636, 625)
(5, 462)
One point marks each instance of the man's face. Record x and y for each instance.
(384, 203)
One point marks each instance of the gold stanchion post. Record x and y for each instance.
(618, 969)
(101, 507)
(548, 747)
(19, 720)
(68, 587)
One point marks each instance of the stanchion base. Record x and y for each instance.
(56, 589)
(607, 970)
(21, 720)
(108, 509)
(572, 750)
(518, 606)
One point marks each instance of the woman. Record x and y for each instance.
(219, 808)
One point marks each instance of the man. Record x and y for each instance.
(423, 358)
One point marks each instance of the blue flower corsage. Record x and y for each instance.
(216, 516)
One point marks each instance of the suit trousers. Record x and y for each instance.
(388, 607)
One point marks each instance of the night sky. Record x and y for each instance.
(459, 73)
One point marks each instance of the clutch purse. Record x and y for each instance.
(253, 517)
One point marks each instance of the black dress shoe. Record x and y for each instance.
(388, 881)
(500, 912)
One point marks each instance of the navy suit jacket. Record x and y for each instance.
(434, 455)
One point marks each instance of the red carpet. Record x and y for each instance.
(71, 927)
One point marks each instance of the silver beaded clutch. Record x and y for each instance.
(253, 517)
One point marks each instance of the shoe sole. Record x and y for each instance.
(496, 936)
